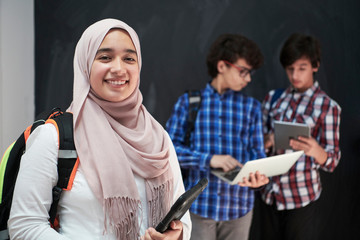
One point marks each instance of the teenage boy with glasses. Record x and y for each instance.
(227, 133)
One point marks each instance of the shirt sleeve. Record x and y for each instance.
(257, 139)
(33, 189)
(265, 112)
(176, 126)
(178, 190)
(329, 138)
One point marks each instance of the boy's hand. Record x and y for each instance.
(310, 147)
(269, 142)
(255, 180)
(225, 162)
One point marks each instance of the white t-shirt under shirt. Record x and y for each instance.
(81, 214)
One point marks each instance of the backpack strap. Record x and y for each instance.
(194, 97)
(67, 159)
(9, 167)
(274, 98)
(9, 170)
(276, 95)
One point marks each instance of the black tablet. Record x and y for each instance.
(181, 205)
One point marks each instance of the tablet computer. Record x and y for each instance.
(181, 205)
(284, 131)
(270, 166)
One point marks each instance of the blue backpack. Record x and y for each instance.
(274, 98)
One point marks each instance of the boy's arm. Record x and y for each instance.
(329, 138)
(176, 127)
(265, 108)
(257, 138)
(267, 130)
(256, 180)
(325, 151)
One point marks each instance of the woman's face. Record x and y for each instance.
(114, 74)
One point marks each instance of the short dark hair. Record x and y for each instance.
(300, 45)
(231, 47)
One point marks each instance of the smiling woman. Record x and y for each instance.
(128, 176)
(115, 71)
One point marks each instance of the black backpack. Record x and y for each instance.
(194, 97)
(10, 162)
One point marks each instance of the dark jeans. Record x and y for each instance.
(297, 224)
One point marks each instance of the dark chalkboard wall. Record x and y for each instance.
(175, 37)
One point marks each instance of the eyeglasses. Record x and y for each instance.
(242, 70)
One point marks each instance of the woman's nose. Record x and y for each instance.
(117, 66)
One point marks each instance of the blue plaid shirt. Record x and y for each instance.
(229, 124)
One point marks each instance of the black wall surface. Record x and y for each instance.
(175, 37)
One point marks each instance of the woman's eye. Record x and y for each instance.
(129, 59)
(104, 58)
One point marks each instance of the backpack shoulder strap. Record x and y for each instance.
(274, 98)
(9, 167)
(276, 95)
(194, 97)
(67, 159)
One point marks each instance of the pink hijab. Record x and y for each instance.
(114, 140)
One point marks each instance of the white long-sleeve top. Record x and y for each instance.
(81, 215)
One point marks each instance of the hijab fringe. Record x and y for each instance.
(160, 202)
(121, 213)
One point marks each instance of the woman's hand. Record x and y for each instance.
(173, 233)
(255, 180)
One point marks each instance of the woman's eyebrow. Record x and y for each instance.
(131, 51)
(102, 50)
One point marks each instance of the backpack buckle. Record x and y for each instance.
(57, 193)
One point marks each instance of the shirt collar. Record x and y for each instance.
(212, 90)
(310, 91)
